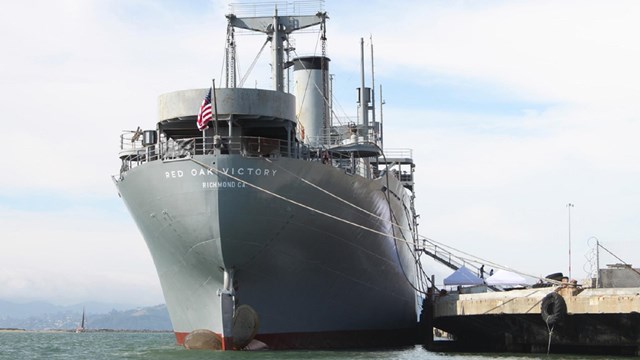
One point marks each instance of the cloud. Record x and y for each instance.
(71, 89)
(501, 194)
(573, 52)
(496, 184)
(491, 182)
(71, 253)
(557, 52)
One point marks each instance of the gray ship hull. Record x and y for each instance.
(314, 280)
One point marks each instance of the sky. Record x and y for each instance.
(513, 109)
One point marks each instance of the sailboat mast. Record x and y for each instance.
(80, 327)
(82, 322)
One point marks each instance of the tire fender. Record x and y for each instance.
(553, 308)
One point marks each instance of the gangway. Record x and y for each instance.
(447, 258)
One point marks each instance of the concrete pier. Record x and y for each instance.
(591, 321)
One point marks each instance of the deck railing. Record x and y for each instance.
(395, 153)
(134, 152)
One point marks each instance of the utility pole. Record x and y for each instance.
(569, 206)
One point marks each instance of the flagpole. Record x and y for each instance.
(204, 140)
(215, 107)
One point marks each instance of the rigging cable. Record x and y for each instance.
(255, 60)
(476, 259)
(623, 262)
(471, 258)
(393, 220)
(306, 207)
(289, 200)
(391, 214)
(335, 196)
(325, 99)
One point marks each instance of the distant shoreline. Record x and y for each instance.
(6, 330)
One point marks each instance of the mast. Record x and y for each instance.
(230, 58)
(373, 93)
(364, 96)
(597, 263)
(82, 322)
(326, 109)
(80, 327)
(381, 120)
(277, 54)
(277, 29)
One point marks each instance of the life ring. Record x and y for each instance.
(553, 308)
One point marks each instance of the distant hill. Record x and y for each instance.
(147, 318)
(21, 310)
(25, 310)
(46, 316)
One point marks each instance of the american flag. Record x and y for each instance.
(205, 115)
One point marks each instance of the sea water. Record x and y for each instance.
(159, 346)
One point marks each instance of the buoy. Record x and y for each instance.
(203, 339)
(245, 326)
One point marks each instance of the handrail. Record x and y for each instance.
(398, 153)
(133, 153)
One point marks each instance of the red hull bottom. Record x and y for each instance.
(333, 340)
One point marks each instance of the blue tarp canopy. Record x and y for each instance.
(463, 276)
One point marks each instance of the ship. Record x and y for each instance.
(276, 223)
